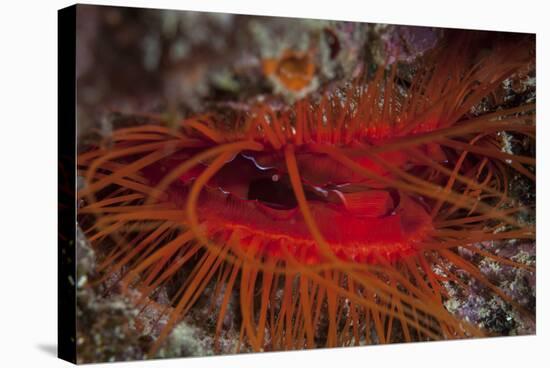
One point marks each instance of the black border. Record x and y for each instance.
(66, 216)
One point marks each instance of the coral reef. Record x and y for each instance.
(134, 63)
